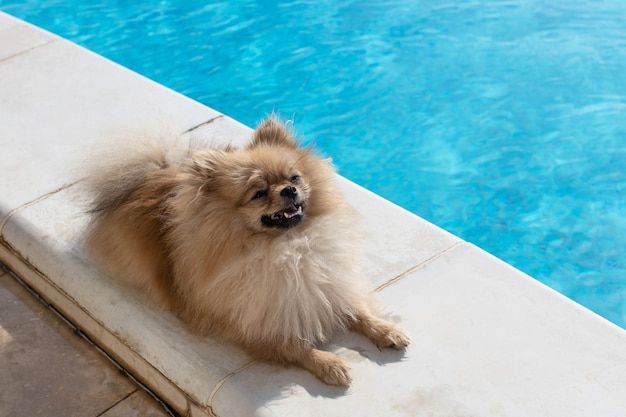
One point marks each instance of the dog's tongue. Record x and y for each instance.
(291, 211)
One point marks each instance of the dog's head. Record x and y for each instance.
(271, 185)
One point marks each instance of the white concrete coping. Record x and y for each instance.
(487, 339)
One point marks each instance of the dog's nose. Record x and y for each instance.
(289, 191)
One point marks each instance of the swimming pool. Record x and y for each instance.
(501, 121)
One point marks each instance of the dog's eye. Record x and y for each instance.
(295, 179)
(259, 194)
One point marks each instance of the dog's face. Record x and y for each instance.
(276, 199)
(272, 185)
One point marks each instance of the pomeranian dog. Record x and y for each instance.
(256, 244)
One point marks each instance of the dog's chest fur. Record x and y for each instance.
(300, 286)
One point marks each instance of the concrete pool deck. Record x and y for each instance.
(487, 339)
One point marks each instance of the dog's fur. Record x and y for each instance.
(256, 244)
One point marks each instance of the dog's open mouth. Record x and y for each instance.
(285, 218)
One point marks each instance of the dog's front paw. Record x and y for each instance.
(329, 368)
(393, 338)
(382, 333)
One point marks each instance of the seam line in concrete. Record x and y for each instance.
(417, 267)
(208, 122)
(107, 409)
(11, 213)
(216, 388)
(22, 52)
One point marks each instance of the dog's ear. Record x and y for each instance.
(273, 133)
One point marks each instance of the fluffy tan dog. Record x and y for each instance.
(256, 244)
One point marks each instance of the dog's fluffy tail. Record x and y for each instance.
(120, 166)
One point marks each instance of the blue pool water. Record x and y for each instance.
(502, 121)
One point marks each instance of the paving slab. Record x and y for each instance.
(488, 340)
(137, 404)
(20, 37)
(52, 110)
(495, 343)
(48, 370)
